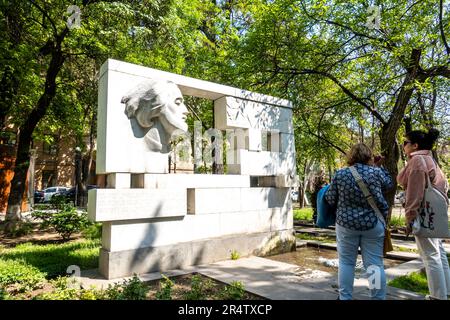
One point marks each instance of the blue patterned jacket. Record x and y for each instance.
(353, 210)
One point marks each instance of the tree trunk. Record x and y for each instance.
(302, 189)
(13, 213)
(9, 85)
(301, 196)
(17, 190)
(391, 153)
(388, 135)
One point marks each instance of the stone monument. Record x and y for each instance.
(156, 221)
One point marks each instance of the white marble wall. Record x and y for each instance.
(121, 147)
(146, 207)
(132, 204)
(192, 228)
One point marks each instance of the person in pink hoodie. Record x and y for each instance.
(417, 145)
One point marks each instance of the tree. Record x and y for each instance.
(48, 37)
(50, 69)
(374, 73)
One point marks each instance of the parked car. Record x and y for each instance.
(50, 192)
(294, 195)
(70, 193)
(38, 196)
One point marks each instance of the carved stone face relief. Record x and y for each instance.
(159, 110)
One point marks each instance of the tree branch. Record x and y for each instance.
(441, 27)
(422, 109)
(320, 137)
(55, 30)
(346, 91)
(436, 71)
(390, 131)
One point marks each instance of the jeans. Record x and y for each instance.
(371, 243)
(435, 261)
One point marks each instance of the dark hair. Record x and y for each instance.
(360, 153)
(424, 140)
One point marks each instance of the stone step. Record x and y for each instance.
(398, 255)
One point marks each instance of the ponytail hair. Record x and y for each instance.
(424, 140)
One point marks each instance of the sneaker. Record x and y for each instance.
(429, 297)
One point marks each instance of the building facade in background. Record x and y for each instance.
(51, 164)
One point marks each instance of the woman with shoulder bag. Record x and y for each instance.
(418, 146)
(357, 223)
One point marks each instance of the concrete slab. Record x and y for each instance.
(273, 280)
(391, 294)
(404, 269)
(406, 244)
(401, 255)
(301, 243)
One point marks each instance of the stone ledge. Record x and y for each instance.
(183, 255)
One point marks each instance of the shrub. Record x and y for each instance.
(235, 255)
(63, 291)
(20, 274)
(4, 294)
(165, 291)
(197, 289)
(41, 206)
(132, 289)
(44, 216)
(90, 294)
(58, 294)
(234, 291)
(113, 292)
(69, 221)
(58, 202)
(66, 220)
(93, 231)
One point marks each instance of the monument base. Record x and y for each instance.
(181, 255)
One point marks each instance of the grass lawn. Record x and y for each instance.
(33, 271)
(52, 259)
(415, 281)
(303, 214)
(397, 221)
(28, 267)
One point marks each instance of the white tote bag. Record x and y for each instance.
(432, 220)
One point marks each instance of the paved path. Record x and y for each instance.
(272, 280)
(404, 244)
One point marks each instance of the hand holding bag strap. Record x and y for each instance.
(367, 194)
